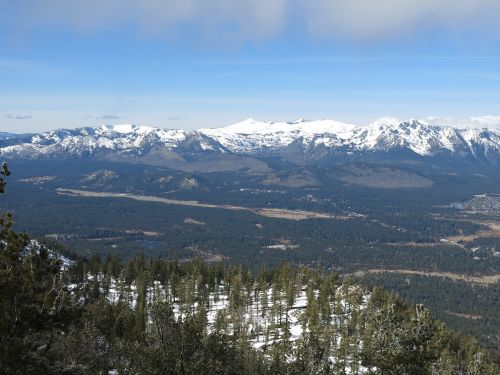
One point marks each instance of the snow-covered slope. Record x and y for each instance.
(122, 139)
(299, 140)
(419, 137)
(255, 136)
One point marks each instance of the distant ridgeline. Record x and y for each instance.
(170, 317)
(235, 147)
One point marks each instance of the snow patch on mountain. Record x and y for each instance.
(386, 134)
(251, 136)
(123, 139)
(261, 138)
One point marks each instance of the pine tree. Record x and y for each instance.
(4, 172)
(445, 365)
(33, 298)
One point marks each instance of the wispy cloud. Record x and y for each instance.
(108, 117)
(254, 20)
(17, 116)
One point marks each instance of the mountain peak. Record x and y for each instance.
(315, 137)
(415, 122)
(127, 128)
(385, 121)
(299, 121)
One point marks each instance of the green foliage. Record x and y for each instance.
(4, 172)
(102, 314)
(148, 337)
(34, 300)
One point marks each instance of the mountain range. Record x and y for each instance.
(247, 144)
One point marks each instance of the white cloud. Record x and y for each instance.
(108, 117)
(254, 20)
(226, 19)
(488, 121)
(370, 19)
(17, 116)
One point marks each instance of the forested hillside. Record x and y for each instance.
(148, 228)
(438, 246)
(168, 317)
(92, 315)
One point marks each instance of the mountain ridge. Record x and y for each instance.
(301, 141)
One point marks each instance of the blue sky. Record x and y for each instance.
(188, 65)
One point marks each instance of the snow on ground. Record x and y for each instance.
(265, 326)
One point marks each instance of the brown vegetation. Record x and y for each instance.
(279, 213)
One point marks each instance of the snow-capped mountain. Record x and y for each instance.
(121, 139)
(387, 135)
(254, 137)
(299, 141)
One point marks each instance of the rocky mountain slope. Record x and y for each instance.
(177, 149)
(317, 139)
(237, 146)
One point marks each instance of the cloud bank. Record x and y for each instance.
(370, 19)
(255, 20)
(229, 19)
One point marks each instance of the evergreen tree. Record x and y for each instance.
(34, 300)
(4, 172)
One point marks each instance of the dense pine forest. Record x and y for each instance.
(91, 316)
(168, 317)
(73, 314)
(396, 230)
